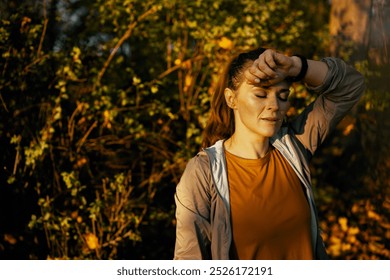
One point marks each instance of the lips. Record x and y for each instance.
(271, 119)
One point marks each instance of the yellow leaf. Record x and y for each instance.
(375, 247)
(343, 223)
(225, 43)
(353, 230)
(348, 129)
(188, 80)
(355, 208)
(92, 241)
(351, 239)
(334, 250)
(385, 225)
(154, 89)
(10, 239)
(136, 81)
(82, 161)
(335, 240)
(345, 247)
(373, 215)
(74, 214)
(106, 115)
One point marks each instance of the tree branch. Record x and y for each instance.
(45, 22)
(124, 37)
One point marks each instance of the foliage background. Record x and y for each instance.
(103, 102)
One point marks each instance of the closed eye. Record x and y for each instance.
(260, 93)
(283, 96)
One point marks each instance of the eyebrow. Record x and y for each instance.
(267, 87)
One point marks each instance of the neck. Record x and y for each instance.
(247, 148)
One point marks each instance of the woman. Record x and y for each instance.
(248, 194)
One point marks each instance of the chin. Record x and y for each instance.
(268, 134)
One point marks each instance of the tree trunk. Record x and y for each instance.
(360, 30)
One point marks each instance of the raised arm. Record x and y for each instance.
(272, 67)
(338, 85)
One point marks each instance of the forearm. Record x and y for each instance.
(337, 94)
(273, 67)
(316, 71)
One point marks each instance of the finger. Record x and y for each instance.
(255, 70)
(254, 79)
(269, 58)
(261, 69)
(251, 78)
(258, 78)
(267, 63)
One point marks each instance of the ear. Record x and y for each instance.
(230, 98)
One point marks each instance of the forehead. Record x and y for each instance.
(283, 85)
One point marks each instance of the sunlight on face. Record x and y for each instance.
(259, 111)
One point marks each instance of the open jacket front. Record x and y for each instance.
(203, 228)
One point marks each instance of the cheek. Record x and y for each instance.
(284, 107)
(249, 106)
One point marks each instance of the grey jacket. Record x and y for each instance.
(203, 229)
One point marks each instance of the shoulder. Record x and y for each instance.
(195, 184)
(197, 171)
(200, 162)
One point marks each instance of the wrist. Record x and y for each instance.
(296, 66)
(299, 68)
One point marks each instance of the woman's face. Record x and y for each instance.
(258, 110)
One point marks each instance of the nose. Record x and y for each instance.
(273, 103)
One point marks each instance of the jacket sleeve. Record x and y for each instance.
(341, 90)
(192, 200)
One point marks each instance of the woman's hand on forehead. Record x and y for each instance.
(270, 68)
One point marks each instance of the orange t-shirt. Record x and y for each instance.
(270, 214)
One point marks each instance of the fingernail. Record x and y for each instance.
(257, 80)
